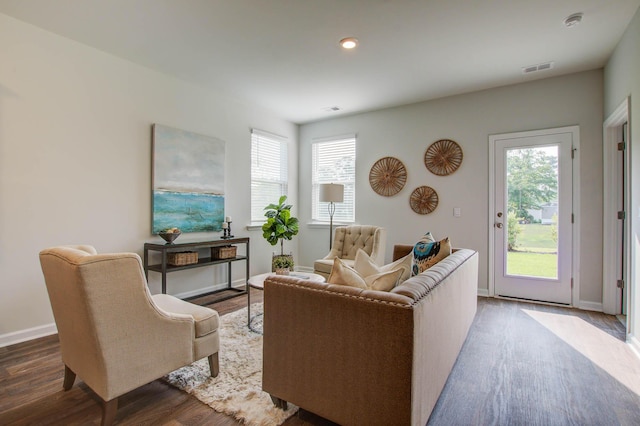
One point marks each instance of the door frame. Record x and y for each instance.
(610, 266)
(575, 193)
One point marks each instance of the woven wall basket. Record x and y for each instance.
(423, 200)
(443, 157)
(387, 176)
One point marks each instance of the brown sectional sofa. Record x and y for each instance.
(360, 357)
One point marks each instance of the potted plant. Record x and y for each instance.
(282, 264)
(280, 226)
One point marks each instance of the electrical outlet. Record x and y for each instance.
(457, 212)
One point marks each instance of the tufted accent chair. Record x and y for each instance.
(113, 333)
(346, 242)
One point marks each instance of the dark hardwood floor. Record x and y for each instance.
(31, 392)
(522, 364)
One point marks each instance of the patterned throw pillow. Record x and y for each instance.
(427, 252)
(344, 275)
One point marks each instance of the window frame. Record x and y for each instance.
(345, 212)
(268, 140)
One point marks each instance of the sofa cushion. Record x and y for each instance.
(365, 266)
(427, 252)
(206, 320)
(342, 274)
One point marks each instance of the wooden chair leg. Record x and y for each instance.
(214, 364)
(69, 378)
(109, 409)
(279, 403)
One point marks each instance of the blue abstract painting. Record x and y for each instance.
(188, 181)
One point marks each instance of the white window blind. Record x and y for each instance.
(334, 161)
(269, 177)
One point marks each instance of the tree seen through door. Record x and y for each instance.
(532, 216)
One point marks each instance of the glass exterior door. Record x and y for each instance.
(533, 217)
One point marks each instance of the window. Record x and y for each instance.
(269, 178)
(334, 161)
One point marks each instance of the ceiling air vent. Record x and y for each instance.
(539, 67)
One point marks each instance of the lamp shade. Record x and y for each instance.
(331, 193)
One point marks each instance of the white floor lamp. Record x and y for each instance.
(331, 193)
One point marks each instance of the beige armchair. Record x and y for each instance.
(346, 242)
(113, 333)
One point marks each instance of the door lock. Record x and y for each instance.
(499, 225)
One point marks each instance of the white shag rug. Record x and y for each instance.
(237, 391)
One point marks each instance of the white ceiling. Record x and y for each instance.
(284, 54)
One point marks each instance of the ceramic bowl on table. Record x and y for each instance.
(169, 237)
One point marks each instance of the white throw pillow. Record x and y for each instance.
(345, 275)
(365, 266)
(384, 281)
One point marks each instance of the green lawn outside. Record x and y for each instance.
(535, 254)
(532, 264)
(536, 237)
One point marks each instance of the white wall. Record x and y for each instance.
(75, 131)
(406, 132)
(621, 80)
(75, 162)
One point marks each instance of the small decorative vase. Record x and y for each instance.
(282, 271)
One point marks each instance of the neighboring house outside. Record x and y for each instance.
(545, 214)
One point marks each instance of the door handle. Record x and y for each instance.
(499, 225)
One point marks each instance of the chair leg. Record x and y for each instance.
(279, 403)
(69, 378)
(109, 409)
(214, 364)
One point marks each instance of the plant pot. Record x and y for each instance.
(282, 262)
(282, 271)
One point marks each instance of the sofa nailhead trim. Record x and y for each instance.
(385, 302)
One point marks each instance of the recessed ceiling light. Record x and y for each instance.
(573, 20)
(349, 42)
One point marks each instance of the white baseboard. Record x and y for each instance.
(590, 306)
(236, 284)
(634, 343)
(587, 306)
(191, 293)
(49, 329)
(28, 334)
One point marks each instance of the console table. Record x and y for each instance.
(163, 267)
